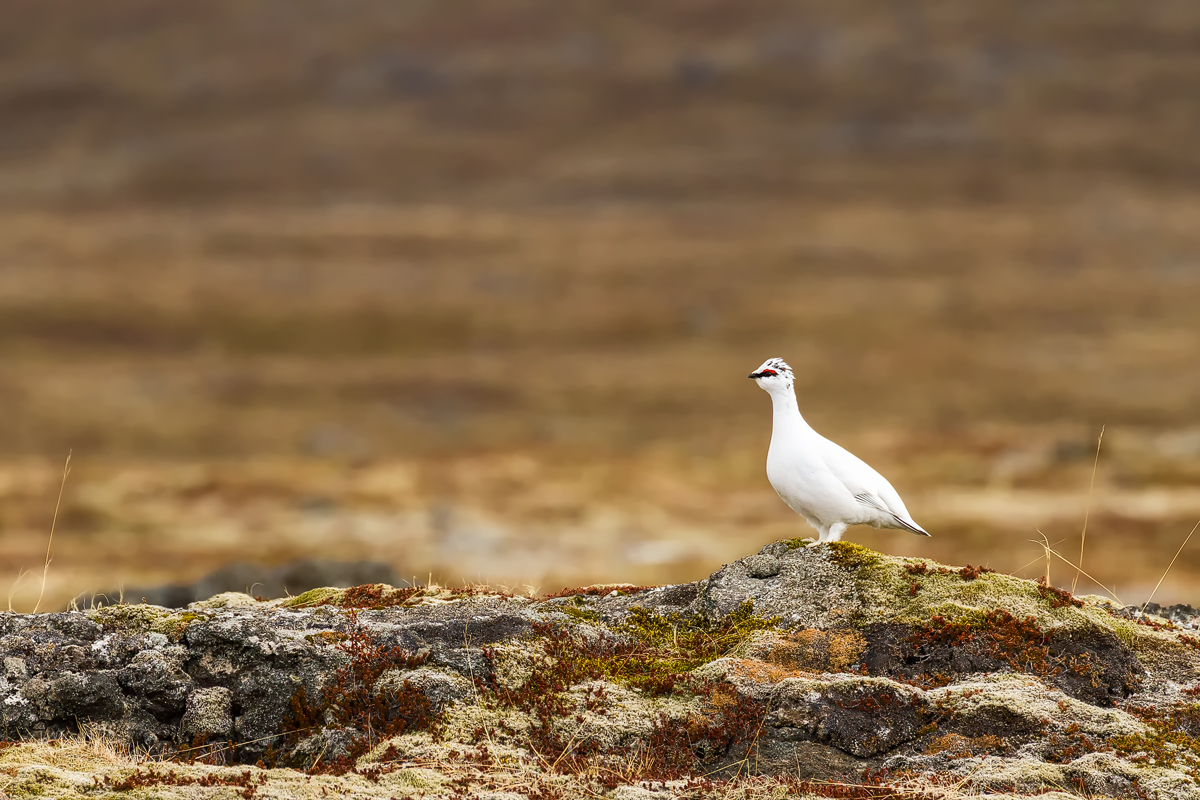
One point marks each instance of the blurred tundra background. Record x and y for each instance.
(471, 288)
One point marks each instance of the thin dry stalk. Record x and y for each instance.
(1177, 552)
(1045, 545)
(487, 728)
(13, 589)
(102, 744)
(1041, 544)
(53, 523)
(1050, 551)
(571, 745)
(209, 749)
(1087, 511)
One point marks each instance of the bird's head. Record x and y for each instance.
(773, 375)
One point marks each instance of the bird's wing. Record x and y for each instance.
(854, 473)
(868, 487)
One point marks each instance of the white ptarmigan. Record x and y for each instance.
(822, 481)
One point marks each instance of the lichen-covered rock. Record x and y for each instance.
(860, 716)
(209, 714)
(439, 687)
(794, 664)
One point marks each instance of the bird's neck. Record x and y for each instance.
(787, 419)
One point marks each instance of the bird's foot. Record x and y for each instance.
(814, 543)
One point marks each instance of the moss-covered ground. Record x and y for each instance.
(604, 695)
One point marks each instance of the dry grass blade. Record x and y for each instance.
(1045, 545)
(1187, 539)
(1042, 544)
(1087, 511)
(1050, 551)
(53, 523)
(213, 749)
(15, 585)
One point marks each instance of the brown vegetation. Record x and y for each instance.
(474, 289)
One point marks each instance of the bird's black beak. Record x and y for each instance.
(755, 375)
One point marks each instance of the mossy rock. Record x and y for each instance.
(807, 662)
(324, 596)
(932, 623)
(228, 600)
(143, 618)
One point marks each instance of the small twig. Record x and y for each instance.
(1045, 543)
(232, 745)
(53, 523)
(1164, 575)
(1087, 510)
(13, 589)
(571, 745)
(1051, 551)
(1039, 558)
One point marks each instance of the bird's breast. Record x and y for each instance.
(806, 484)
(793, 477)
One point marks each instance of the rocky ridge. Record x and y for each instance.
(829, 671)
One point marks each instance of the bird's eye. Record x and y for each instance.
(768, 372)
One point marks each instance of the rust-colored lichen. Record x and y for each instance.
(1056, 597)
(761, 671)
(683, 748)
(1019, 643)
(246, 782)
(957, 746)
(814, 650)
(968, 573)
(599, 590)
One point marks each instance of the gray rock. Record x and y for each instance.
(302, 684)
(859, 716)
(160, 679)
(439, 687)
(809, 590)
(762, 565)
(327, 744)
(95, 696)
(209, 714)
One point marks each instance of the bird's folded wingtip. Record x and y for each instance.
(911, 527)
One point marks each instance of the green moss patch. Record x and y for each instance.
(852, 556)
(141, 618)
(652, 654)
(677, 644)
(647, 651)
(913, 591)
(578, 609)
(1172, 739)
(324, 596)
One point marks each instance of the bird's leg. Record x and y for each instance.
(834, 534)
(822, 538)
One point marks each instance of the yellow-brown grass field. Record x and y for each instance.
(473, 288)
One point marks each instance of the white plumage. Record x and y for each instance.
(822, 481)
